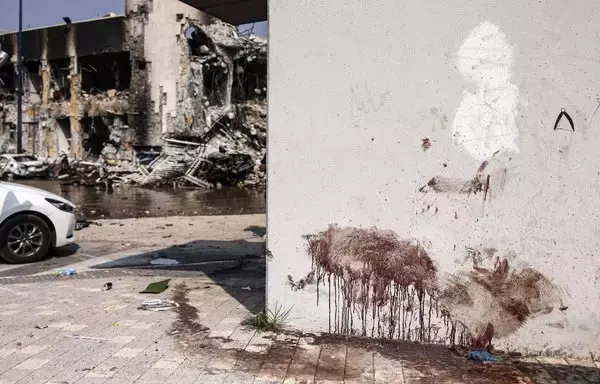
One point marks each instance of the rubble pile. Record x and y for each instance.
(95, 123)
(194, 163)
(227, 146)
(221, 139)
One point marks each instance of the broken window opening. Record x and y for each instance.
(8, 82)
(215, 84)
(199, 42)
(64, 136)
(9, 130)
(32, 77)
(60, 81)
(95, 135)
(105, 71)
(249, 80)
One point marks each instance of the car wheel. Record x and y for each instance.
(24, 239)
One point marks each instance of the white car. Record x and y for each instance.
(22, 166)
(32, 221)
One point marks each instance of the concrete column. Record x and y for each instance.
(75, 87)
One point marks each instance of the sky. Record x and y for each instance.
(39, 13)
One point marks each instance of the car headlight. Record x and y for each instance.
(62, 206)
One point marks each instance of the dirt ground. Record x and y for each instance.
(171, 231)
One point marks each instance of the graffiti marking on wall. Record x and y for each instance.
(563, 113)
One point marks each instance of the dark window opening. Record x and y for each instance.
(95, 135)
(32, 77)
(60, 84)
(249, 80)
(8, 82)
(106, 71)
(215, 84)
(9, 130)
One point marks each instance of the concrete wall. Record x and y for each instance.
(162, 49)
(436, 120)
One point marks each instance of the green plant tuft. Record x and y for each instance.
(269, 320)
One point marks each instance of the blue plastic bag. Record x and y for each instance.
(481, 356)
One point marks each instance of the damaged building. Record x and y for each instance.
(117, 90)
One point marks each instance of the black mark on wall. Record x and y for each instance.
(564, 114)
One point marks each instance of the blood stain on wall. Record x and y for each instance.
(380, 285)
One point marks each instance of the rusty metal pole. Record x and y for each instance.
(20, 81)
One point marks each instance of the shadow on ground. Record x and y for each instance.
(259, 231)
(225, 262)
(56, 258)
(427, 363)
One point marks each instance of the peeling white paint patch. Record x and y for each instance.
(485, 121)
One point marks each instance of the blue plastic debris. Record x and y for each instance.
(481, 356)
(68, 272)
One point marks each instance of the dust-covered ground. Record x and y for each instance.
(171, 231)
(175, 245)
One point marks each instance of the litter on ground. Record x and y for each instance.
(482, 356)
(158, 305)
(158, 287)
(161, 261)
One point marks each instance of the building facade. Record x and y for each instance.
(103, 88)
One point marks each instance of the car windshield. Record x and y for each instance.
(23, 158)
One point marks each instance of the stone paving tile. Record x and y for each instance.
(332, 363)
(101, 337)
(387, 370)
(32, 364)
(128, 353)
(359, 365)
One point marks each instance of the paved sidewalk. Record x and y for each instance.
(69, 331)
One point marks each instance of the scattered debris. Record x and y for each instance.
(68, 272)
(158, 305)
(81, 225)
(483, 356)
(41, 326)
(157, 287)
(107, 286)
(217, 114)
(101, 339)
(161, 261)
(246, 288)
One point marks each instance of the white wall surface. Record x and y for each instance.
(355, 87)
